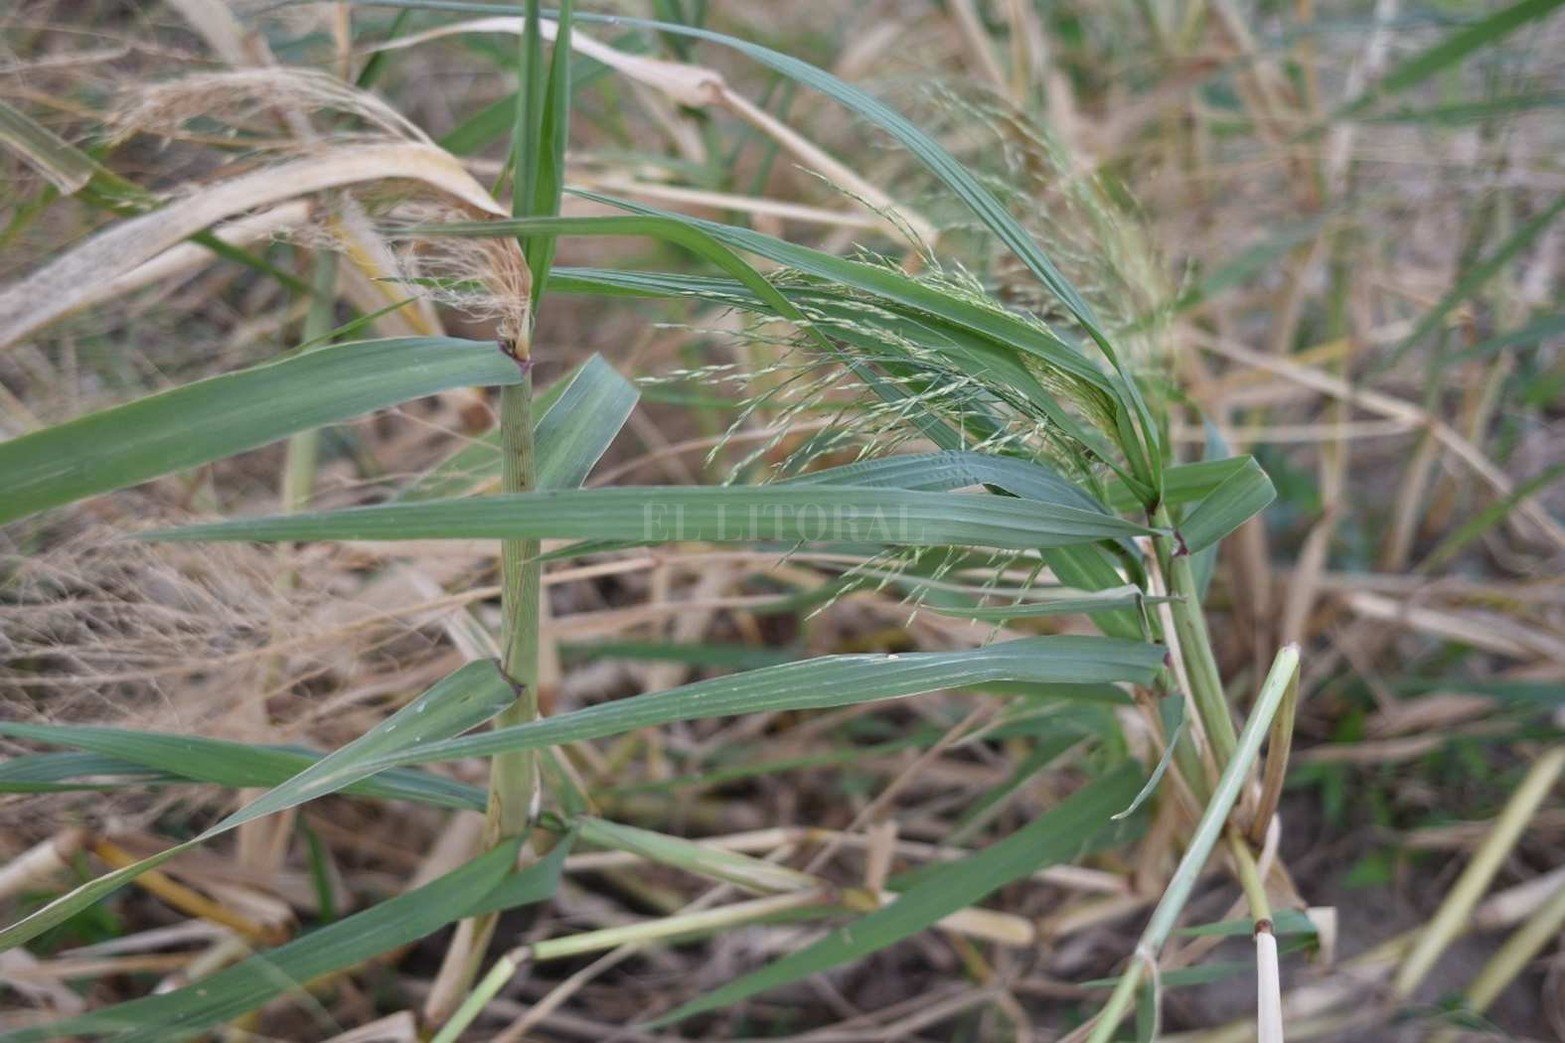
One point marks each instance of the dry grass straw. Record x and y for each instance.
(64, 285)
(1299, 402)
(699, 87)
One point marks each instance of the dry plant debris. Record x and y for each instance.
(986, 520)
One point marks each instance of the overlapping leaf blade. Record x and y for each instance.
(1240, 496)
(140, 756)
(704, 513)
(822, 683)
(1056, 836)
(976, 336)
(956, 469)
(485, 883)
(578, 417)
(466, 698)
(223, 415)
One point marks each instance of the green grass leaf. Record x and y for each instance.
(1538, 329)
(466, 698)
(487, 883)
(891, 286)
(1235, 500)
(578, 418)
(931, 153)
(542, 130)
(1474, 277)
(1054, 837)
(1042, 601)
(1487, 518)
(1282, 678)
(646, 515)
(956, 469)
(990, 345)
(1449, 50)
(821, 683)
(1145, 458)
(139, 757)
(1457, 113)
(1074, 663)
(67, 772)
(1183, 483)
(223, 415)
(752, 874)
(1284, 921)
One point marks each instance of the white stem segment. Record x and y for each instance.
(1268, 987)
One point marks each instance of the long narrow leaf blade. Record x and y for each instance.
(822, 683)
(1054, 837)
(66, 772)
(164, 757)
(722, 513)
(1474, 277)
(485, 881)
(1451, 49)
(218, 417)
(577, 420)
(466, 698)
(1238, 498)
(955, 469)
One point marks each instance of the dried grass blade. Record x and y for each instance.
(60, 286)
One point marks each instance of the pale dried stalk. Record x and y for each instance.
(1075, 878)
(400, 1027)
(1214, 820)
(245, 50)
(1278, 748)
(1454, 913)
(1489, 632)
(1512, 958)
(152, 939)
(21, 971)
(186, 258)
(61, 165)
(780, 209)
(215, 23)
(187, 899)
(239, 96)
(971, 26)
(372, 281)
(59, 287)
(1390, 406)
(39, 864)
(699, 87)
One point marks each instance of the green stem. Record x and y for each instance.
(1249, 874)
(514, 795)
(1214, 821)
(1195, 644)
(303, 453)
(513, 783)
